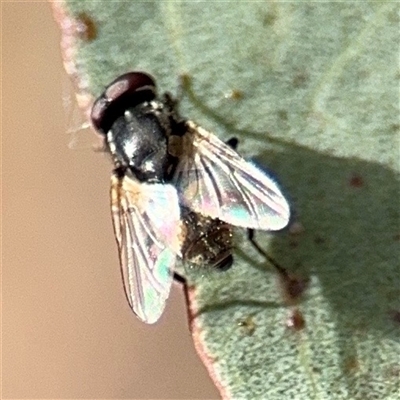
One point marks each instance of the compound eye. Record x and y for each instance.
(130, 82)
(126, 91)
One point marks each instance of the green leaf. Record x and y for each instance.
(312, 91)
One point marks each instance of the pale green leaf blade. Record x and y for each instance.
(312, 91)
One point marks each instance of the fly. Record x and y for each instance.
(176, 191)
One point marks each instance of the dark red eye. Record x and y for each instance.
(126, 91)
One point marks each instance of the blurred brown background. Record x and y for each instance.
(68, 331)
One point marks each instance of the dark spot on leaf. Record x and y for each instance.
(283, 115)
(86, 27)
(351, 364)
(234, 94)
(269, 19)
(247, 325)
(395, 316)
(293, 287)
(316, 370)
(395, 127)
(300, 79)
(356, 181)
(186, 81)
(319, 239)
(296, 228)
(295, 231)
(396, 237)
(296, 320)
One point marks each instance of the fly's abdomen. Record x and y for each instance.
(207, 242)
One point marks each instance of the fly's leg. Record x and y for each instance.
(179, 278)
(293, 285)
(182, 281)
(232, 143)
(281, 270)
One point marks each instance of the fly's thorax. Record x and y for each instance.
(137, 141)
(207, 242)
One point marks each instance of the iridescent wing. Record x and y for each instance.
(146, 221)
(212, 179)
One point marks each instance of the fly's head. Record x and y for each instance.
(136, 126)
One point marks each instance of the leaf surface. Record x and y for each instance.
(312, 91)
